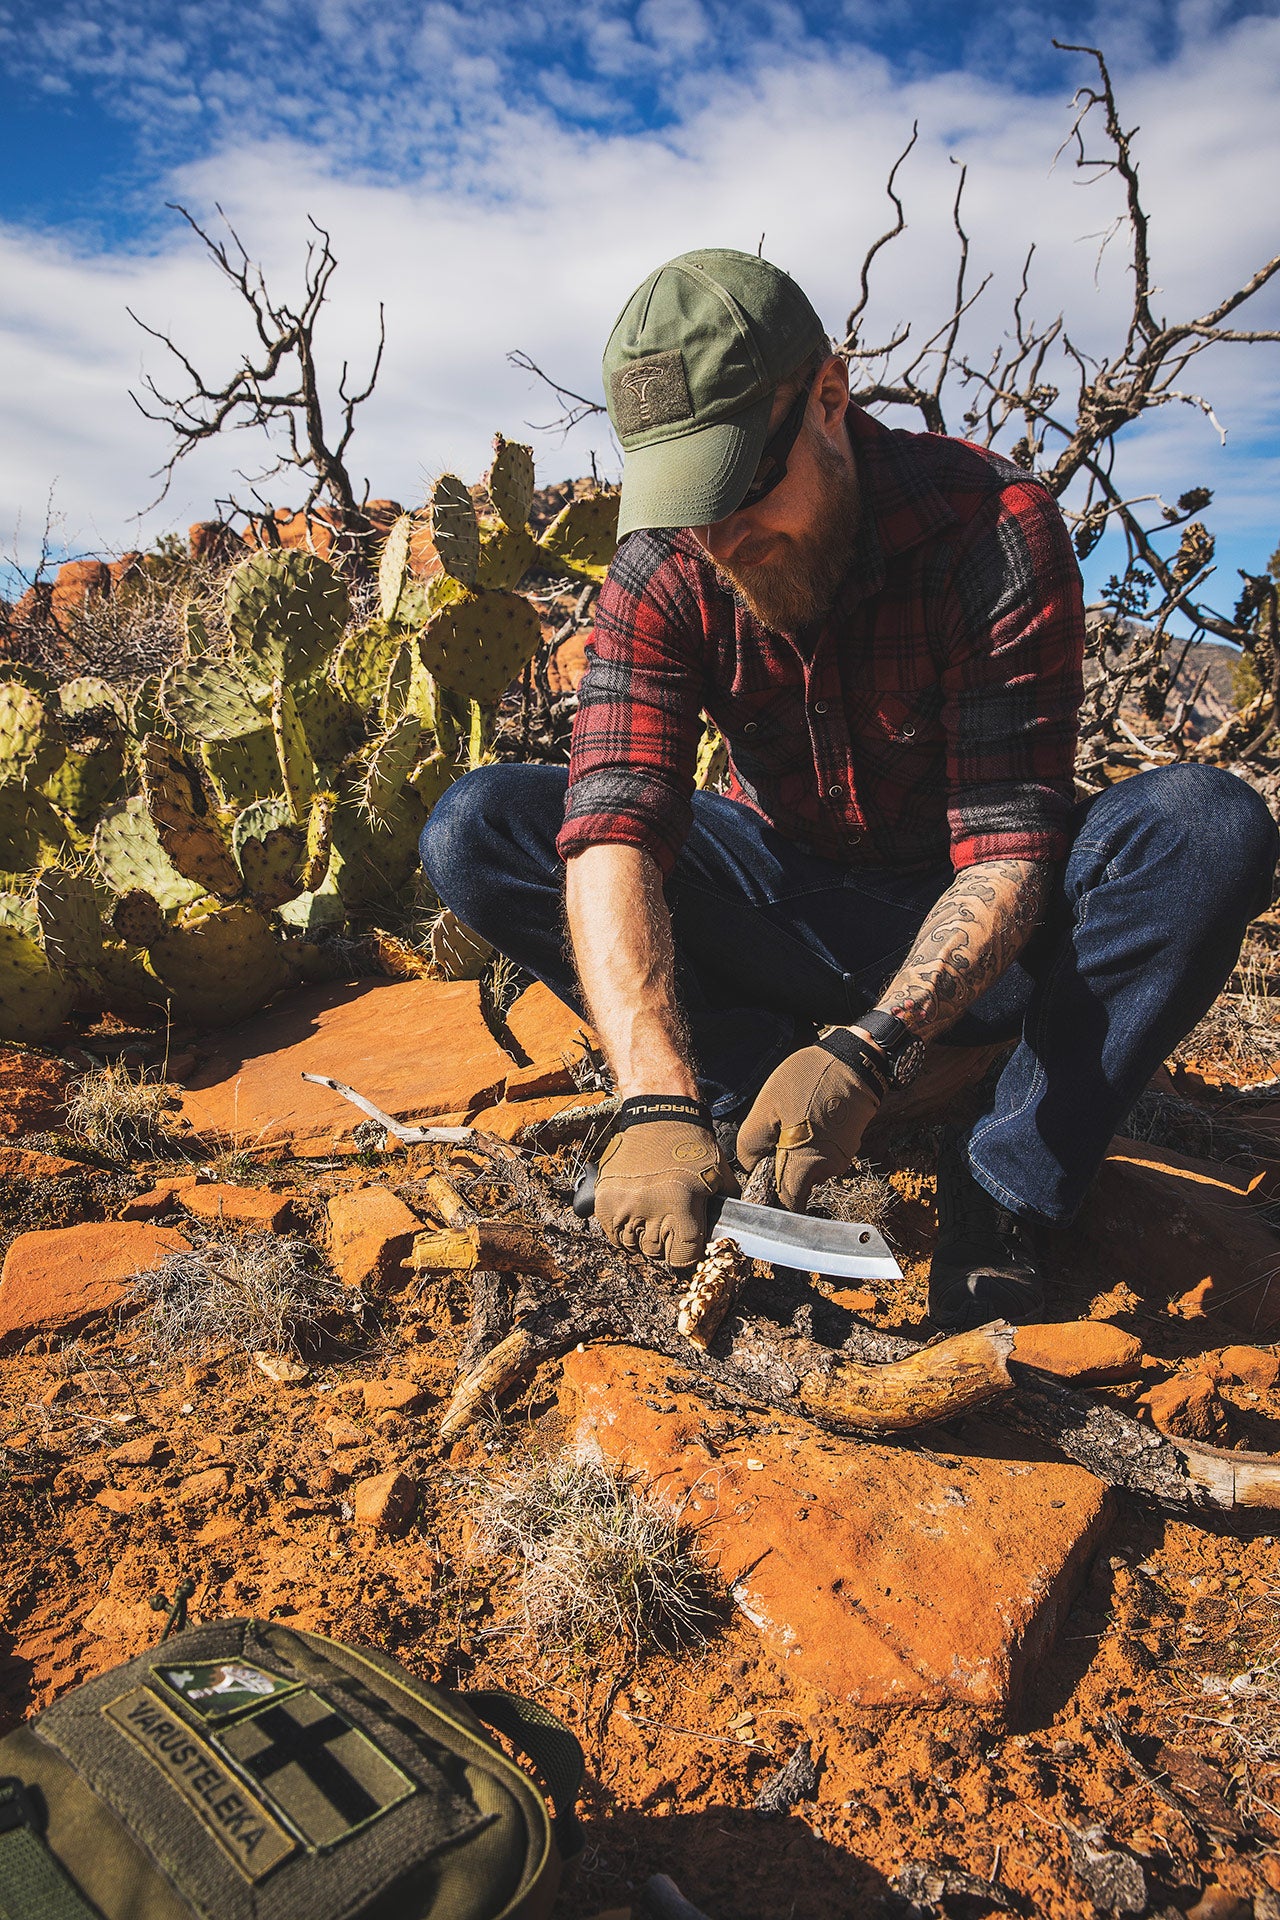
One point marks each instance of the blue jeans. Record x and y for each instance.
(1165, 872)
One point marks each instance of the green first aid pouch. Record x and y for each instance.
(243, 1771)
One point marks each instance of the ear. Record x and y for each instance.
(831, 394)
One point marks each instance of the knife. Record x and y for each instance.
(843, 1249)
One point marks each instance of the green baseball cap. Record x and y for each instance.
(689, 374)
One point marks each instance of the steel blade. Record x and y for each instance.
(843, 1248)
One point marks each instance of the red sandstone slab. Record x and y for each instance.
(545, 1028)
(416, 1048)
(888, 1577)
(60, 1280)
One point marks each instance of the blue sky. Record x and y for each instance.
(502, 175)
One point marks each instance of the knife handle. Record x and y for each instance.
(584, 1192)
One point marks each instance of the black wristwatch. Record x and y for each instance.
(903, 1049)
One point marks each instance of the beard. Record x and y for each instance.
(798, 576)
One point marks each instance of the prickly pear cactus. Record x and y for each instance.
(269, 849)
(288, 608)
(212, 700)
(506, 555)
(180, 814)
(455, 532)
(455, 952)
(130, 858)
(135, 918)
(219, 965)
(70, 925)
(35, 998)
(387, 769)
(31, 738)
(360, 666)
(481, 643)
(31, 833)
(319, 847)
(583, 537)
(393, 569)
(510, 482)
(90, 695)
(297, 769)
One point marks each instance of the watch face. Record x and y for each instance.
(908, 1063)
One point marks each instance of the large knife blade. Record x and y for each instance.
(843, 1249)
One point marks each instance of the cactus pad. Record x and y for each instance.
(506, 555)
(31, 833)
(219, 966)
(456, 953)
(136, 918)
(315, 864)
(327, 720)
(360, 666)
(431, 776)
(67, 909)
(19, 910)
(371, 864)
(176, 803)
(510, 482)
(393, 568)
(243, 770)
(455, 533)
(387, 769)
(212, 700)
(35, 998)
(292, 598)
(270, 849)
(89, 694)
(583, 536)
(130, 857)
(31, 742)
(88, 778)
(297, 769)
(481, 643)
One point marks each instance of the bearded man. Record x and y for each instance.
(887, 628)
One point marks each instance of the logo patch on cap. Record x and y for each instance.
(651, 392)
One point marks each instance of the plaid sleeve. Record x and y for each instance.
(636, 731)
(1013, 683)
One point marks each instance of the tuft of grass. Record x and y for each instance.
(859, 1195)
(255, 1291)
(599, 1559)
(1240, 1034)
(117, 1113)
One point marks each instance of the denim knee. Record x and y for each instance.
(1210, 822)
(489, 825)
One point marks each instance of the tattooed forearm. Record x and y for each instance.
(976, 930)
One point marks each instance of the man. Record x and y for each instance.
(888, 629)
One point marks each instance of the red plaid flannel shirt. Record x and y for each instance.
(931, 715)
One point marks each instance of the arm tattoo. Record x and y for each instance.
(976, 930)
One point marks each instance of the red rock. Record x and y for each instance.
(126, 1499)
(393, 1396)
(853, 1299)
(568, 663)
(1179, 1232)
(60, 1280)
(416, 1048)
(889, 1577)
(1187, 1407)
(209, 1484)
(37, 1166)
(145, 1451)
(508, 1120)
(544, 1028)
(1089, 1351)
(32, 1089)
(386, 1502)
(76, 583)
(370, 1233)
(120, 569)
(342, 1432)
(162, 1198)
(527, 1083)
(1251, 1366)
(1216, 1903)
(214, 541)
(254, 1207)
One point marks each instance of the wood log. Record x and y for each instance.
(717, 1281)
(934, 1383)
(510, 1362)
(440, 1197)
(1232, 1481)
(499, 1245)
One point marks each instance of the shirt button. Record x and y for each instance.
(751, 726)
(819, 706)
(836, 792)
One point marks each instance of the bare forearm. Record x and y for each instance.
(621, 933)
(976, 930)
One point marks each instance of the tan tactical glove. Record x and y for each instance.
(654, 1180)
(811, 1113)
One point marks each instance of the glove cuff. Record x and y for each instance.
(861, 1057)
(662, 1106)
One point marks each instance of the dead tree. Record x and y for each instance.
(277, 390)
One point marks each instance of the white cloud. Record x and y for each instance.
(531, 233)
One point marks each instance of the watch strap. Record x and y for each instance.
(888, 1032)
(859, 1055)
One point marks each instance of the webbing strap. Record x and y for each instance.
(33, 1885)
(553, 1749)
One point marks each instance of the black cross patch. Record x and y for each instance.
(321, 1772)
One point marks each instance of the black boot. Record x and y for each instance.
(985, 1260)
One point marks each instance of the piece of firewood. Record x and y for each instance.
(935, 1383)
(441, 1197)
(512, 1360)
(502, 1246)
(717, 1281)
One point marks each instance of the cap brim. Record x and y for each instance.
(696, 479)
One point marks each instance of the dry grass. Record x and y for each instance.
(1240, 1034)
(1167, 1120)
(599, 1560)
(118, 1113)
(1225, 1693)
(859, 1195)
(258, 1292)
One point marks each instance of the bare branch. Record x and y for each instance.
(577, 406)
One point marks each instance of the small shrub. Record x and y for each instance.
(119, 1115)
(599, 1559)
(254, 1291)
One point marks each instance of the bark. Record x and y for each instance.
(933, 1384)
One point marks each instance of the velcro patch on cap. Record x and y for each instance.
(651, 392)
